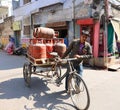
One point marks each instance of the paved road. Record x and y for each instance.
(103, 86)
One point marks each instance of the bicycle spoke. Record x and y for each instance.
(79, 92)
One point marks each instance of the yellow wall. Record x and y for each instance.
(4, 40)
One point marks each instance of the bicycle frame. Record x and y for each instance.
(71, 68)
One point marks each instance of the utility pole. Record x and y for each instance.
(106, 32)
(73, 17)
(106, 9)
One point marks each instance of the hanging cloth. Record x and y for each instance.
(110, 38)
(116, 26)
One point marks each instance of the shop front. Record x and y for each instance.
(94, 32)
(62, 28)
(98, 41)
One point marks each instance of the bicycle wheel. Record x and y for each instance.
(78, 92)
(27, 73)
(56, 71)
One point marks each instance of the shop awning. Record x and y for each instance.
(86, 21)
(116, 26)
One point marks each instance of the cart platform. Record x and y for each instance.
(42, 62)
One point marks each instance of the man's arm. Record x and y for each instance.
(68, 50)
(89, 49)
(87, 54)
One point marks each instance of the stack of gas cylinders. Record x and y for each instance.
(44, 41)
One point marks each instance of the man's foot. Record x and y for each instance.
(68, 92)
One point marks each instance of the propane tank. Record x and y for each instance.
(49, 47)
(55, 41)
(46, 32)
(39, 50)
(60, 48)
(30, 47)
(38, 32)
(35, 32)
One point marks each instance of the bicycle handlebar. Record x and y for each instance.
(81, 56)
(69, 59)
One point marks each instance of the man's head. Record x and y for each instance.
(84, 36)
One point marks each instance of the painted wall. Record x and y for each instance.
(33, 5)
(63, 14)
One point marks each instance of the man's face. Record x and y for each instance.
(83, 38)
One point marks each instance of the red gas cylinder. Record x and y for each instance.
(46, 32)
(30, 49)
(49, 47)
(35, 32)
(60, 48)
(38, 32)
(39, 50)
(55, 41)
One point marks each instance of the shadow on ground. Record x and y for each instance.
(39, 93)
(11, 61)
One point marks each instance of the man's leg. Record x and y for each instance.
(66, 80)
(79, 69)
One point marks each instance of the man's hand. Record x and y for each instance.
(77, 56)
(83, 56)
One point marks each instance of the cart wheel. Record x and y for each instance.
(34, 69)
(56, 71)
(27, 74)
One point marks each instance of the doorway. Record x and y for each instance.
(17, 38)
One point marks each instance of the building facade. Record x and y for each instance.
(69, 17)
(61, 15)
(5, 21)
(3, 15)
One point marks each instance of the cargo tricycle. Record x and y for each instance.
(41, 55)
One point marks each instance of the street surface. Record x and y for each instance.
(103, 85)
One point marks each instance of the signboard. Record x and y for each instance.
(16, 25)
(56, 24)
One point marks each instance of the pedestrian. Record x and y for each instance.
(10, 37)
(66, 40)
(10, 46)
(77, 48)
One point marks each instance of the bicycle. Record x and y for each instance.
(76, 85)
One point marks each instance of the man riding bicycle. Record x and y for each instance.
(77, 48)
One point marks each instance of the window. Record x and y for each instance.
(27, 30)
(27, 1)
(15, 4)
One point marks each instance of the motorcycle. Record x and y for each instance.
(20, 51)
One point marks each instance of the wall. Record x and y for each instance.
(7, 30)
(7, 27)
(64, 12)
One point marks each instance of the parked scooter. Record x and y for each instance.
(20, 51)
